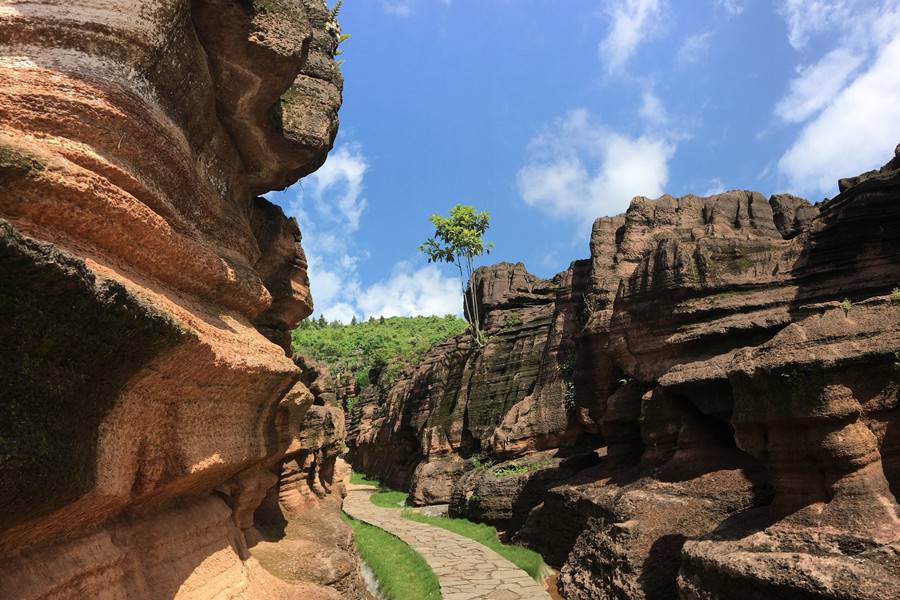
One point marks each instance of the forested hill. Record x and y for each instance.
(386, 343)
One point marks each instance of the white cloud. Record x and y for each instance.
(336, 188)
(806, 18)
(579, 169)
(398, 8)
(652, 109)
(424, 291)
(632, 22)
(329, 205)
(715, 187)
(817, 84)
(855, 22)
(732, 8)
(694, 48)
(856, 131)
(847, 101)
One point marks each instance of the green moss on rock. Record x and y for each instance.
(15, 164)
(70, 343)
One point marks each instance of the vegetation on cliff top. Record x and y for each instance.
(385, 345)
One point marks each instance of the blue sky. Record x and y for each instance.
(550, 113)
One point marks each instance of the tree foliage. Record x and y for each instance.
(459, 239)
(385, 344)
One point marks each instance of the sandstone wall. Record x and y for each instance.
(740, 363)
(142, 282)
(461, 404)
(733, 366)
(296, 530)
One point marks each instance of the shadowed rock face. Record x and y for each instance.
(735, 362)
(142, 276)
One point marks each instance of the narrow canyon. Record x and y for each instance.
(705, 407)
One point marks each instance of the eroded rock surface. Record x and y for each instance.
(507, 399)
(298, 534)
(142, 281)
(731, 365)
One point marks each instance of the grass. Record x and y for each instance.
(518, 468)
(402, 574)
(389, 499)
(361, 479)
(384, 497)
(895, 295)
(527, 560)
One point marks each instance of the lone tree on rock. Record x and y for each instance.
(458, 239)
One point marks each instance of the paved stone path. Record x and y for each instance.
(465, 569)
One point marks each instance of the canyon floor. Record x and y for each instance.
(466, 569)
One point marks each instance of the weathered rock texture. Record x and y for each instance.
(504, 400)
(298, 533)
(140, 277)
(735, 362)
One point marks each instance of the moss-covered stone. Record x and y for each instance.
(15, 164)
(69, 345)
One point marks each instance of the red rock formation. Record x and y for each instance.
(298, 532)
(507, 399)
(734, 361)
(739, 451)
(141, 276)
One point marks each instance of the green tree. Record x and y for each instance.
(459, 239)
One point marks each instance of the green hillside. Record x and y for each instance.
(387, 343)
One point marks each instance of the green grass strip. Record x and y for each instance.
(402, 574)
(357, 478)
(527, 560)
(389, 499)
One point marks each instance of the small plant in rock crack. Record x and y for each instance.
(481, 460)
(569, 396)
(518, 469)
(510, 321)
(567, 369)
(333, 27)
(846, 305)
(895, 295)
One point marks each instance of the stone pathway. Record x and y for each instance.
(466, 569)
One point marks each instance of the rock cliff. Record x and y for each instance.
(459, 404)
(706, 408)
(142, 282)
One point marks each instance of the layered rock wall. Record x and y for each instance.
(734, 364)
(297, 531)
(460, 403)
(141, 281)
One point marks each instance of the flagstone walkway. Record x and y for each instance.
(465, 569)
